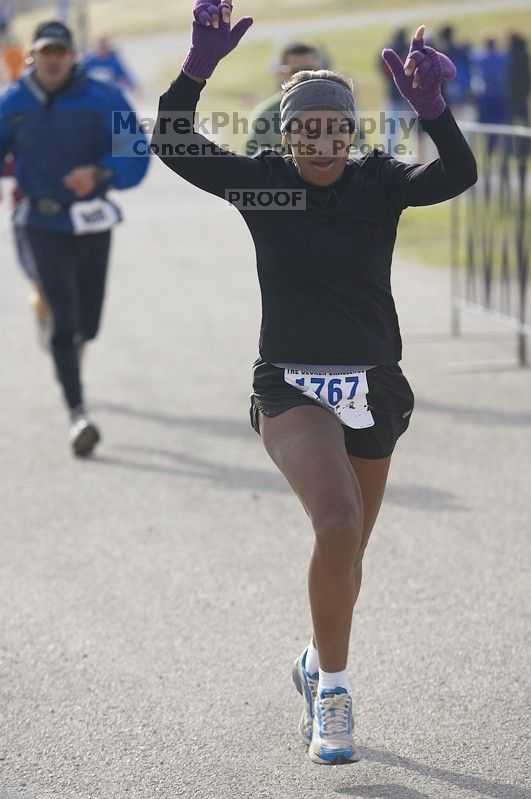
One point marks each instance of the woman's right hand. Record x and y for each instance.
(212, 37)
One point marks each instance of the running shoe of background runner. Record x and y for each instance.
(84, 435)
(332, 741)
(306, 685)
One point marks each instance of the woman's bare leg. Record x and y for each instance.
(307, 444)
(342, 495)
(372, 479)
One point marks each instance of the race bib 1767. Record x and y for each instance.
(344, 393)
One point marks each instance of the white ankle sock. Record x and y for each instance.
(312, 659)
(330, 680)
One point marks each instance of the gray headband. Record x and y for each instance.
(315, 94)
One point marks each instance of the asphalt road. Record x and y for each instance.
(153, 598)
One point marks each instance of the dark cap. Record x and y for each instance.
(54, 32)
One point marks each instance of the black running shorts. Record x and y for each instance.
(390, 400)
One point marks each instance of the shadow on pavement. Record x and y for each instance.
(488, 416)
(390, 791)
(233, 477)
(183, 464)
(226, 428)
(483, 367)
(423, 498)
(233, 428)
(463, 782)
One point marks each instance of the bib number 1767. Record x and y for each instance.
(334, 387)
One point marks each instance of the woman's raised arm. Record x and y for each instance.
(175, 140)
(419, 81)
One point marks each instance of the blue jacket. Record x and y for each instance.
(110, 68)
(49, 136)
(492, 69)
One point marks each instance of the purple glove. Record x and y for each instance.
(419, 79)
(212, 37)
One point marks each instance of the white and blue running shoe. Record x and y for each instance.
(306, 685)
(332, 742)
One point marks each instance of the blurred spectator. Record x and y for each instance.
(12, 59)
(63, 10)
(396, 107)
(518, 80)
(105, 64)
(326, 61)
(490, 83)
(8, 171)
(12, 62)
(7, 12)
(457, 92)
(400, 44)
(265, 118)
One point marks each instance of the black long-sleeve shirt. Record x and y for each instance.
(324, 272)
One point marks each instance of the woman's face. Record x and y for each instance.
(320, 142)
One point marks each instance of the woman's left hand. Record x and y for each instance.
(419, 79)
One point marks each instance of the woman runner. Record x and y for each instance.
(330, 400)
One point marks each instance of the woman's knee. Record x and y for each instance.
(339, 531)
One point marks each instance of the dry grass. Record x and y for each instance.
(124, 17)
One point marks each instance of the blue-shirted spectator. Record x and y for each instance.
(7, 12)
(63, 10)
(396, 108)
(58, 124)
(519, 80)
(105, 64)
(490, 67)
(457, 92)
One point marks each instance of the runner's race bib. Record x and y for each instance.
(344, 393)
(93, 216)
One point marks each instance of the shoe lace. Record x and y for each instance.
(335, 712)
